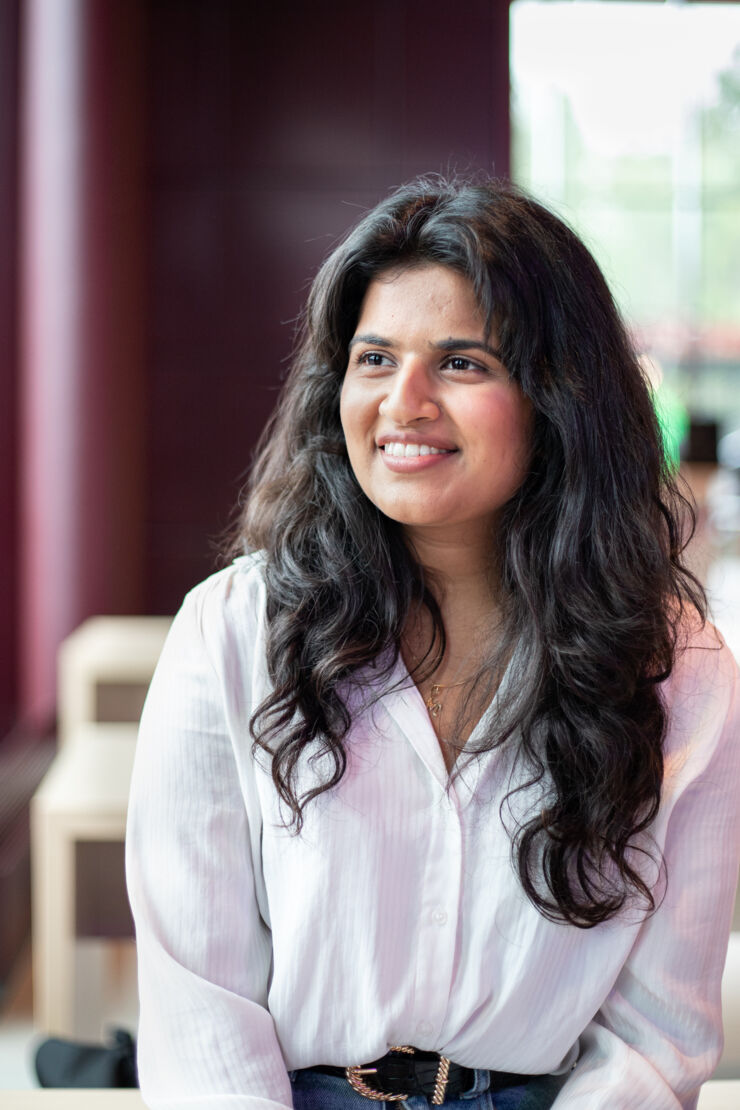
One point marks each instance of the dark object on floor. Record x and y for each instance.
(62, 1063)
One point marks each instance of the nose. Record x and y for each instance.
(411, 394)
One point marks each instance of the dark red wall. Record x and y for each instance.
(272, 126)
(265, 130)
(8, 353)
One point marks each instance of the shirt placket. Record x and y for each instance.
(438, 912)
(438, 923)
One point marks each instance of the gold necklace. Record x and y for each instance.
(433, 703)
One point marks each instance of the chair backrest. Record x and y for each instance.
(729, 1065)
(104, 670)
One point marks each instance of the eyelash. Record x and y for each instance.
(471, 365)
(366, 356)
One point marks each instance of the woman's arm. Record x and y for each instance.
(658, 1035)
(206, 1038)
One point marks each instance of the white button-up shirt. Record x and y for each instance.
(396, 916)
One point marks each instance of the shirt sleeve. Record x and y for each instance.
(206, 1037)
(658, 1035)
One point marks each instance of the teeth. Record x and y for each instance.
(411, 450)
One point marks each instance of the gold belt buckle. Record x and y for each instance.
(357, 1083)
(440, 1082)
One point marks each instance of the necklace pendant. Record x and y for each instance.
(434, 705)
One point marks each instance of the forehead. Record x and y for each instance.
(425, 292)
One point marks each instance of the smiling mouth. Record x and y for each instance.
(413, 450)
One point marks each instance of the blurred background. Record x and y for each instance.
(172, 172)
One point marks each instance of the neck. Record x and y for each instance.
(460, 573)
(462, 579)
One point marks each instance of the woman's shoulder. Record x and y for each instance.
(703, 660)
(226, 609)
(241, 583)
(702, 694)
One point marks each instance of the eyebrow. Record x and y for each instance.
(373, 340)
(467, 344)
(452, 344)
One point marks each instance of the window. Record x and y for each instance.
(626, 120)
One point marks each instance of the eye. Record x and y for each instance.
(462, 364)
(373, 358)
(371, 361)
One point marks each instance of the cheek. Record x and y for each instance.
(345, 411)
(355, 413)
(509, 424)
(353, 418)
(519, 414)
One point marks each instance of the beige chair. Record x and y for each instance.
(729, 1065)
(78, 814)
(720, 1094)
(104, 669)
(82, 800)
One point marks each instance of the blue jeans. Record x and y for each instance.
(315, 1091)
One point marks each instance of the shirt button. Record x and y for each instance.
(424, 1027)
(439, 917)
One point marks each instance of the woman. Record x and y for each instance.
(435, 795)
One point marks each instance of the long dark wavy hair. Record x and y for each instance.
(588, 551)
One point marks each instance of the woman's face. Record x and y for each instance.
(437, 433)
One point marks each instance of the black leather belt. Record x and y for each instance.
(407, 1071)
